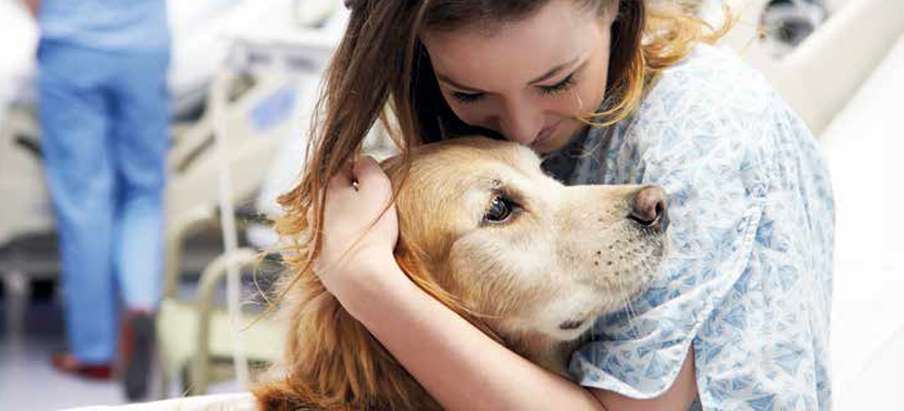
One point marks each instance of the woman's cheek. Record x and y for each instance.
(471, 114)
(569, 104)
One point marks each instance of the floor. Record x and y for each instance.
(27, 380)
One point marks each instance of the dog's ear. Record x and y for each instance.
(332, 362)
(284, 396)
(412, 261)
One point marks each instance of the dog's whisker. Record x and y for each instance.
(629, 307)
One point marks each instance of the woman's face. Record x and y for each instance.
(529, 79)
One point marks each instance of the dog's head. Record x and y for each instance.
(529, 255)
(481, 228)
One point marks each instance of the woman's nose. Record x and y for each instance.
(522, 124)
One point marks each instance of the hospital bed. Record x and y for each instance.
(820, 76)
(19, 30)
(192, 331)
(261, 110)
(230, 121)
(258, 108)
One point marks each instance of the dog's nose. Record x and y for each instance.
(650, 208)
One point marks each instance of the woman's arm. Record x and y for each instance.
(678, 397)
(466, 370)
(459, 365)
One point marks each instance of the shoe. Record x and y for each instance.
(138, 338)
(66, 363)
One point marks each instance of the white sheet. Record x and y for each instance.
(242, 401)
(18, 43)
(863, 146)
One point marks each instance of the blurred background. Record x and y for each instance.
(243, 79)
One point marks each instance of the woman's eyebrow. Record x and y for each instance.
(553, 71)
(449, 81)
(546, 76)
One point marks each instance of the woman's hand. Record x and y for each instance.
(355, 250)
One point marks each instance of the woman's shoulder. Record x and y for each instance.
(711, 111)
(711, 97)
(712, 78)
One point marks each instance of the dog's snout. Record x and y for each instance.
(650, 208)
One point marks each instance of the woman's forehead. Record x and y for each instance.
(520, 50)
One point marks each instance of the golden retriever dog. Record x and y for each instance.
(530, 262)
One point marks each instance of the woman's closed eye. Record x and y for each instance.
(564, 85)
(467, 97)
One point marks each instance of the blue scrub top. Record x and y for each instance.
(114, 25)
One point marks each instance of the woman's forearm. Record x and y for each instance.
(460, 366)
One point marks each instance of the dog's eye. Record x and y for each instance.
(499, 211)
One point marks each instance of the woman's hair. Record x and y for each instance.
(381, 70)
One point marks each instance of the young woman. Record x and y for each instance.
(610, 92)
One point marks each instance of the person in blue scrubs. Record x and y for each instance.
(104, 107)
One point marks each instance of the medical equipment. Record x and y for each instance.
(275, 47)
(237, 125)
(786, 23)
(819, 76)
(199, 48)
(257, 116)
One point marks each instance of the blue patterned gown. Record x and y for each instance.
(748, 277)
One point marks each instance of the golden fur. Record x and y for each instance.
(534, 282)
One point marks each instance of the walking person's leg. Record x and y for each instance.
(73, 113)
(141, 138)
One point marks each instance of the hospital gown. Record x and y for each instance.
(748, 275)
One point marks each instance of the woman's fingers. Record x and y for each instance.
(370, 177)
(343, 178)
(358, 191)
(365, 171)
(358, 237)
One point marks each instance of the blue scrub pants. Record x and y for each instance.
(104, 118)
